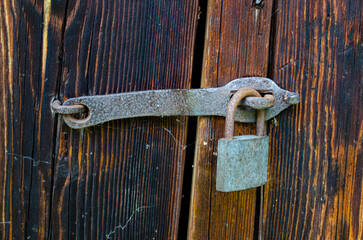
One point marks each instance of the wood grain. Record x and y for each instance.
(315, 175)
(237, 42)
(30, 36)
(123, 179)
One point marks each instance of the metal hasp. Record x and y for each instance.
(178, 102)
(242, 160)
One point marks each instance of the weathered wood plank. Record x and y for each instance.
(30, 36)
(237, 40)
(122, 179)
(315, 176)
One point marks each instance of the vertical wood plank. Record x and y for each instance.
(237, 42)
(315, 175)
(30, 36)
(123, 179)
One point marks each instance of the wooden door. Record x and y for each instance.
(124, 179)
(120, 180)
(314, 188)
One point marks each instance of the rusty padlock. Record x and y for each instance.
(242, 160)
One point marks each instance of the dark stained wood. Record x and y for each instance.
(237, 41)
(315, 175)
(123, 179)
(30, 36)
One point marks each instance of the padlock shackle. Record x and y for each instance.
(231, 111)
(261, 123)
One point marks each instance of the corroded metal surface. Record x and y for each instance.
(57, 107)
(257, 103)
(242, 160)
(261, 128)
(232, 107)
(192, 102)
(242, 163)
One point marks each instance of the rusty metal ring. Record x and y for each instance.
(57, 107)
(232, 106)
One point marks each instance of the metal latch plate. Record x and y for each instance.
(178, 102)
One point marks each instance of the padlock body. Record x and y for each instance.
(242, 163)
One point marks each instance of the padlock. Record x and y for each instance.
(242, 160)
